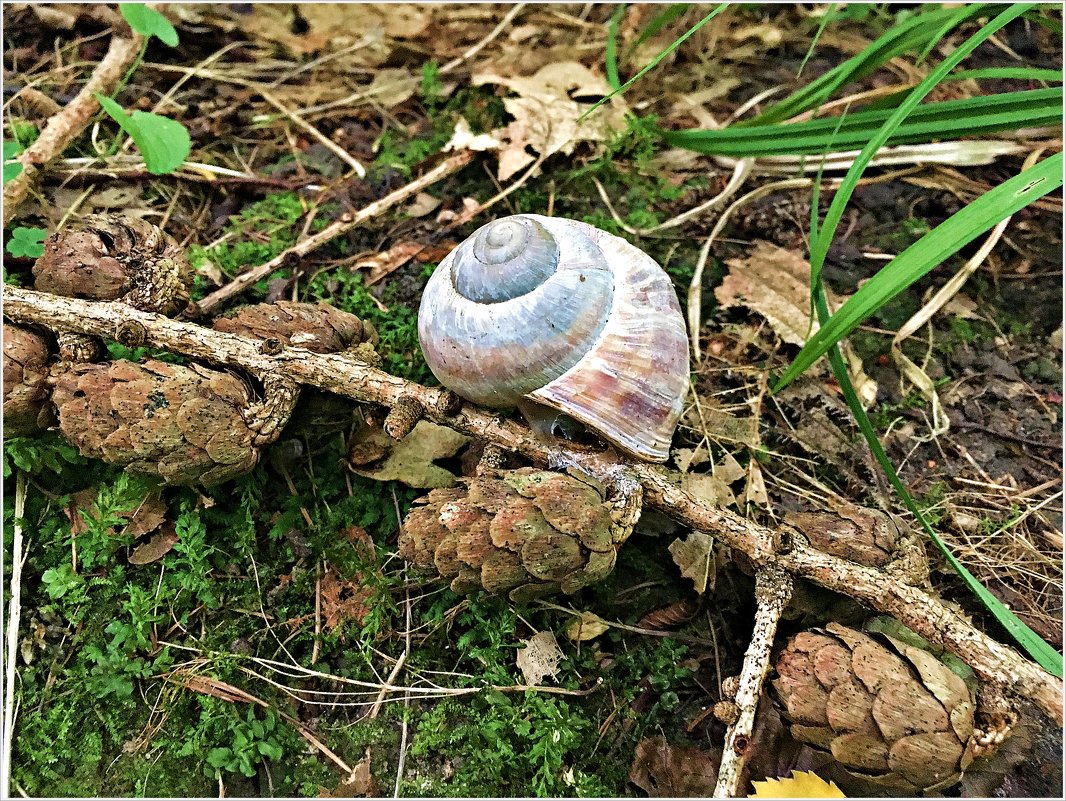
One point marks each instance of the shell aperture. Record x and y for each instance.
(506, 259)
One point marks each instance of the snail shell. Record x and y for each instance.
(567, 316)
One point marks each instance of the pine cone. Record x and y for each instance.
(522, 532)
(895, 715)
(111, 257)
(316, 327)
(25, 381)
(184, 424)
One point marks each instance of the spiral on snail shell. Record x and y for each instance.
(558, 313)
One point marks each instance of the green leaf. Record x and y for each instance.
(949, 119)
(270, 749)
(149, 22)
(27, 242)
(611, 52)
(164, 143)
(11, 168)
(932, 249)
(218, 757)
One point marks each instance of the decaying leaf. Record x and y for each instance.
(755, 487)
(540, 658)
(157, 547)
(586, 626)
(670, 616)
(360, 783)
(663, 770)
(411, 460)
(546, 113)
(775, 282)
(147, 517)
(709, 487)
(464, 138)
(695, 556)
(801, 784)
(381, 264)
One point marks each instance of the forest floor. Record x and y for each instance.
(282, 608)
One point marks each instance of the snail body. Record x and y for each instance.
(546, 312)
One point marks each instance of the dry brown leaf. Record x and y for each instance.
(83, 500)
(411, 459)
(147, 517)
(157, 547)
(343, 599)
(586, 626)
(663, 770)
(540, 658)
(360, 783)
(775, 282)
(392, 86)
(686, 458)
(423, 204)
(695, 556)
(755, 487)
(336, 26)
(709, 487)
(671, 616)
(381, 264)
(547, 110)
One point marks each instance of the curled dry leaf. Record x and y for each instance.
(157, 547)
(695, 556)
(663, 770)
(775, 282)
(547, 111)
(540, 658)
(671, 616)
(586, 626)
(411, 460)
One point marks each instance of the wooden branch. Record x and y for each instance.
(925, 614)
(65, 126)
(345, 223)
(773, 589)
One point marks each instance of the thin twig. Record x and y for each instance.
(345, 223)
(773, 589)
(478, 46)
(65, 126)
(13, 633)
(340, 374)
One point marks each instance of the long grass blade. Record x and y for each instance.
(932, 249)
(611, 52)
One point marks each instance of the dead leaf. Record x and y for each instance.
(343, 599)
(336, 26)
(81, 501)
(755, 487)
(775, 282)
(586, 626)
(381, 264)
(685, 458)
(360, 783)
(540, 657)
(673, 771)
(709, 487)
(695, 556)
(391, 86)
(411, 459)
(465, 139)
(157, 547)
(423, 204)
(147, 517)
(671, 616)
(547, 111)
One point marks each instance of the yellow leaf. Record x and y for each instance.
(801, 784)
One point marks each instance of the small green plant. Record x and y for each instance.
(253, 741)
(27, 242)
(12, 168)
(164, 143)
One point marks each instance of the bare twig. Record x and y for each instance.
(65, 126)
(773, 589)
(341, 375)
(345, 223)
(12, 634)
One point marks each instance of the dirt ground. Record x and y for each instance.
(279, 623)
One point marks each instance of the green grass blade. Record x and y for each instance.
(826, 17)
(820, 247)
(1044, 655)
(916, 261)
(948, 119)
(659, 21)
(655, 61)
(912, 33)
(611, 53)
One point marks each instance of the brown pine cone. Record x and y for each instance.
(315, 326)
(524, 532)
(111, 257)
(186, 425)
(892, 714)
(25, 381)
